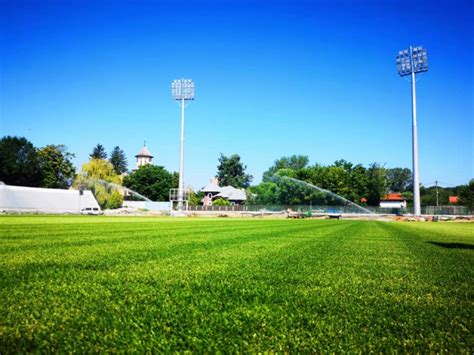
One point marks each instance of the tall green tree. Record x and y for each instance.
(96, 175)
(152, 181)
(99, 169)
(399, 179)
(118, 160)
(376, 184)
(19, 163)
(231, 171)
(265, 193)
(466, 195)
(359, 183)
(294, 162)
(57, 168)
(98, 152)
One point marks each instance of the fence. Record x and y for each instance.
(448, 210)
(279, 209)
(429, 210)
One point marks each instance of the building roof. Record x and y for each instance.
(231, 193)
(393, 196)
(144, 152)
(212, 187)
(453, 199)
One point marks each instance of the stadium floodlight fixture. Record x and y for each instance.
(413, 61)
(181, 91)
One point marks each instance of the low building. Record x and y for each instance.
(41, 200)
(393, 200)
(213, 191)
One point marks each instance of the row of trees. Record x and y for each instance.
(117, 158)
(356, 183)
(50, 166)
(23, 164)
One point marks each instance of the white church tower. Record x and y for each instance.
(144, 157)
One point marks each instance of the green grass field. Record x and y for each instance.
(94, 284)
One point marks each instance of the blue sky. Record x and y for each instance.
(278, 78)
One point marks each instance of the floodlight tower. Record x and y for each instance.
(181, 91)
(412, 61)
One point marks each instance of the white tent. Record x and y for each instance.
(33, 199)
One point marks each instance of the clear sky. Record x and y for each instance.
(272, 78)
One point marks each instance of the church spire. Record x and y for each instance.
(144, 156)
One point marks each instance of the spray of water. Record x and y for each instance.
(113, 185)
(345, 201)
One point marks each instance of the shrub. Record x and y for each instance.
(114, 200)
(221, 202)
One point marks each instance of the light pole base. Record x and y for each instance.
(178, 214)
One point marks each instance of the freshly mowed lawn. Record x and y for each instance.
(95, 284)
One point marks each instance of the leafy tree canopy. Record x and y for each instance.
(56, 166)
(231, 171)
(399, 179)
(152, 181)
(19, 164)
(466, 195)
(100, 169)
(377, 184)
(294, 162)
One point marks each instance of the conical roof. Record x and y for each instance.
(144, 152)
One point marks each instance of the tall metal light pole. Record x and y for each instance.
(181, 91)
(410, 62)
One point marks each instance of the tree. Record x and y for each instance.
(359, 182)
(99, 176)
(152, 181)
(295, 162)
(118, 160)
(376, 185)
(99, 169)
(19, 164)
(231, 171)
(98, 152)
(57, 168)
(466, 195)
(265, 193)
(399, 179)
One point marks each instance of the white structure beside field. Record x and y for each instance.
(393, 200)
(148, 205)
(40, 200)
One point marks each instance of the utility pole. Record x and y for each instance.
(437, 196)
